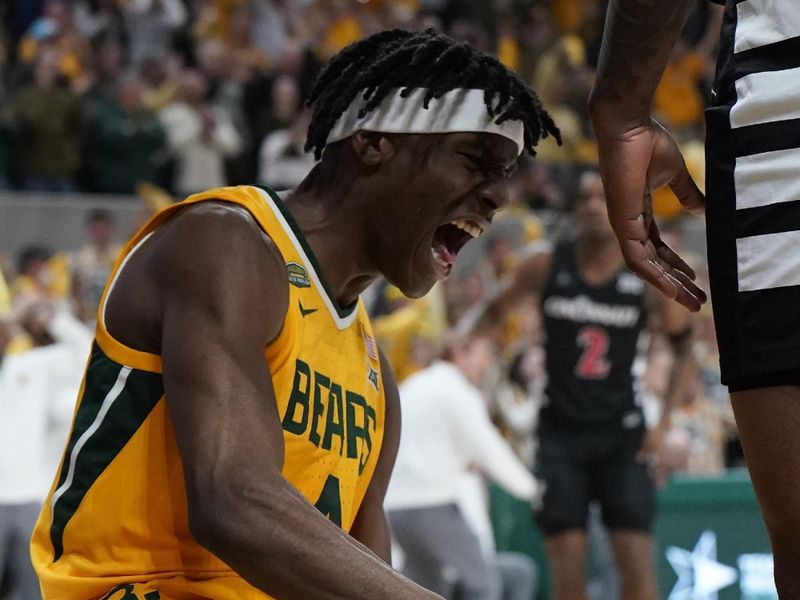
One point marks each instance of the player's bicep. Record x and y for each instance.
(370, 526)
(217, 283)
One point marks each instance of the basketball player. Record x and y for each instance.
(237, 428)
(751, 181)
(593, 443)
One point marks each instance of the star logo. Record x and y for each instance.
(372, 377)
(700, 576)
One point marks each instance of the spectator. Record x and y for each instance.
(517, 573)
(55, 32)
(271, 25)
(535, 185)
(91, 265)
(283, 161)
(108, 61)
(150, 26)
(37, 392)
(407, 333)
(446, 431)
(242, 42)
(33, 272)
(201, 136)
(48, 121)
(285, 102)
(99, 18)
(229, 72)
(160, 78)
(517, 403)
(704, 421)
(126, 143)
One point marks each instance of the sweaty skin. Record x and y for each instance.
(637, 155)
(209, 291)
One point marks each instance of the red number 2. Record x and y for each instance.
(593, 363)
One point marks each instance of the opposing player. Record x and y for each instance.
(751, 182)
(237, 427)
(593, 444)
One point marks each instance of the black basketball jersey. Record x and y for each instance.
(594, 345)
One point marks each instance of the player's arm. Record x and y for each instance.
(637, 155)
(528, 278)
(223, 298)
(674, 321)
(371, 527)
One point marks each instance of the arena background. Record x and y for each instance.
(110, 109)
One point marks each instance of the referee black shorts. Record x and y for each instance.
(579, 466)
(753, 195)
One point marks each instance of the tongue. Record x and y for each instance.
(443, 251)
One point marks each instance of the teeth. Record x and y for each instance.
(468, 226)
(438, 259)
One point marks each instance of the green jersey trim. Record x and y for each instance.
(343, 316)
(116, 400)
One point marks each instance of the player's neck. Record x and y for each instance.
(332, 229)
(598, 258)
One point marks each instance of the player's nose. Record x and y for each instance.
(495, 196)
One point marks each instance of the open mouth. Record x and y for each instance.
(448, 239)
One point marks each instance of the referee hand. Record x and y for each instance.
(633, 162)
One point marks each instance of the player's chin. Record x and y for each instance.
(419, 281)
(418, 287)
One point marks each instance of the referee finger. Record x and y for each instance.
(687, 192)
(672, 258)
(642, 260)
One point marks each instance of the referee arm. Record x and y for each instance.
(637, 155)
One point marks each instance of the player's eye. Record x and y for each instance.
(490, 169)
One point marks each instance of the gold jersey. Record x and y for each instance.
(115, 522)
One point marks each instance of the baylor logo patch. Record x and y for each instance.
(298, 276)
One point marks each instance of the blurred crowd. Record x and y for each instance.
(98, 95)
(103, 96)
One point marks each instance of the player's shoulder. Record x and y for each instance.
(220, 246)
(211, 215)
(213, 229)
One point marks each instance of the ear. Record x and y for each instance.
(372, 148)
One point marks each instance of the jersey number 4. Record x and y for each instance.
(593, 362)
(330, 500)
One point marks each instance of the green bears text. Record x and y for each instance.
(324, 411)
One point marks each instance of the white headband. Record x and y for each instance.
(459, 110)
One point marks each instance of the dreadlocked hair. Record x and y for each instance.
(405, 59)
